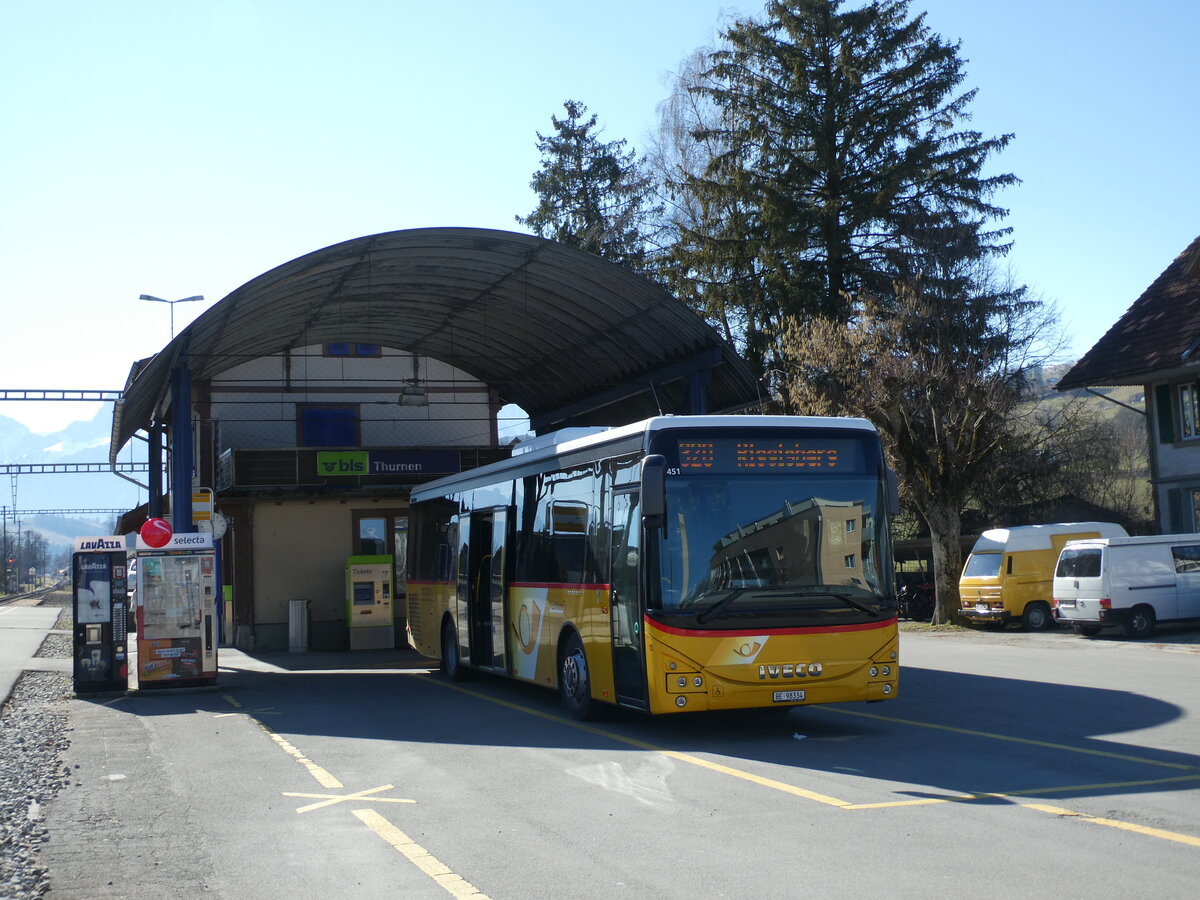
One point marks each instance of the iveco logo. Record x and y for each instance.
(789, 670)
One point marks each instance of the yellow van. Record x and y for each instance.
(1010, 571)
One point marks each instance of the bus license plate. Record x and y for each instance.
(788, 696)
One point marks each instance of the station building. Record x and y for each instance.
(294, 416)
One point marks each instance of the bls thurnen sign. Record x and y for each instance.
(397, 463)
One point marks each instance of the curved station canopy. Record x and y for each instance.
(569, 337)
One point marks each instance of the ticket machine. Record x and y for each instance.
(99, 601)
(369, 602)
(177, 613)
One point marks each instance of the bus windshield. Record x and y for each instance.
(780, 549)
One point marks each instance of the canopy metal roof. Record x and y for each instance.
(569, 337)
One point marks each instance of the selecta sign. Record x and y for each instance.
(157, 534)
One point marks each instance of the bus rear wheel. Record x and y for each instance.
(574, 683)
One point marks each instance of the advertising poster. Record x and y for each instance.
(93, 589)
(167, 658)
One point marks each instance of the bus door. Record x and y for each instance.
(629, 666)
(485, 614)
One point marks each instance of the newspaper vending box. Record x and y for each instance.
(177, 616)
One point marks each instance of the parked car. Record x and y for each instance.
(1131, 583)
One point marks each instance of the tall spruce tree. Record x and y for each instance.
(592, 194)
(835, 129)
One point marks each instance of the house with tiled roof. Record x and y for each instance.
(1156, 344)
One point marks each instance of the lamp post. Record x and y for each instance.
(171, 303)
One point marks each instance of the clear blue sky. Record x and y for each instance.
(176, 149)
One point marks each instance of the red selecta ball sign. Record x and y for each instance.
(156, 532)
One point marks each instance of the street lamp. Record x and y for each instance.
(172, 305)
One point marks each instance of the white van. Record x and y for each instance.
(1131, 582)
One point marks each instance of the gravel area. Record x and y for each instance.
(33, 738)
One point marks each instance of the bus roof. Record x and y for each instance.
(569, 440)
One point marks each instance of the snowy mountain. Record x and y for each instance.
(79, 442)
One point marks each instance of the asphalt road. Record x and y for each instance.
(1011, 765)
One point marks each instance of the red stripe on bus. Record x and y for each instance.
(567, 585)
(572, 586)
(749, 632)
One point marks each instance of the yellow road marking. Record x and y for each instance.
(265, 711)
(453, 884)
(331, 799)
(323, 778)
(1016, 740)
(1003, 795)
(1114, 823)
(418, 855)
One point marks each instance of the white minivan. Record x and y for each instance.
(1130, 582)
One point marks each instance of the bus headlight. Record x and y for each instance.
(681, 681)
(873, 671)
(681, 700)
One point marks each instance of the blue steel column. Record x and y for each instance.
(154, 483)
(697, 395)
(181, 450)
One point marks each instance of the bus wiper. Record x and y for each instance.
(848, 600)
(707, 614)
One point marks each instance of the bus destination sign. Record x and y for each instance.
(765, 455)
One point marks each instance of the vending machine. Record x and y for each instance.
(369, 602)
(99, 601)
(177, 611)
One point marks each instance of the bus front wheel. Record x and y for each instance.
(574, 684)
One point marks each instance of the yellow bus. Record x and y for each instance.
(677, 564)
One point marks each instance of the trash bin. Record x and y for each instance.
(298, 625)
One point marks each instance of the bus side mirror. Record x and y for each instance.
(654, 490)
(893, 489)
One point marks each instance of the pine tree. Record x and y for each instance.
(592, 194)
(835, 130)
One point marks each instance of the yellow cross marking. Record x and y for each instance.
(331, 799)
